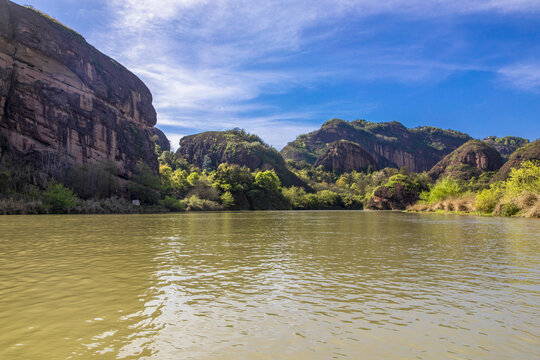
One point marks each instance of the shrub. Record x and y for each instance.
(59, 198)
(487, 199)
(227, 200)
(507, 209)
(268, 180)
(173, 204)
(328, 199)
(296, 196)
(442, 190)
(194, 203)
(524, 179)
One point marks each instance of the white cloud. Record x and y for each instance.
(522, 76)
(207, 62)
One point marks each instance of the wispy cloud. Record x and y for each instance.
(522, 76)
(209, 63)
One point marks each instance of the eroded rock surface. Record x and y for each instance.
(469, 160)
(345, 156)
(61, 98)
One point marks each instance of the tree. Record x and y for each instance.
(268, 180)
(59, 198)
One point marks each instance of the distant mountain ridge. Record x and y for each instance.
(390, 144)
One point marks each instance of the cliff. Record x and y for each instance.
(345, 156)
(209, 149)
(530, 151)
(469, 160)
(389, 144)
(63, 102)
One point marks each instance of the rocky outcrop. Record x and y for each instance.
(528, 152)
(345, 156)
(469, 160)
(61, 98)
(389, 144)
(395, 197)
(160, 139)
(209, 149)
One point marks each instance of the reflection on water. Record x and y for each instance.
(267, 285)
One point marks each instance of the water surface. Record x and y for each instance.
(269, 285)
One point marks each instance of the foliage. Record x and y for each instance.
(93, 180)
(59, 198)
(268, 180)
(524, 179)
(227, 200)
(146, 186)
(194, 203)
(487, 199)
(443, 189)
(174, 204)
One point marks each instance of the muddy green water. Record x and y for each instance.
(269, 285)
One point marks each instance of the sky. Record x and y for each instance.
(280, 68)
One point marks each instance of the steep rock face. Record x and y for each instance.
(160, 139)
(528, 152)
(390, 144)
(61, 98)
(209, 149)
(506, 145)
(345, 156)
(397, 197)
(469, 160)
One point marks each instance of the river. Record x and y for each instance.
(269, 285)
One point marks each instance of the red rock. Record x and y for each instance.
(62, 98)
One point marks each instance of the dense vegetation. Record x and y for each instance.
(184, 186)
(519, 195)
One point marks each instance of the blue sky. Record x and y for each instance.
(281, 68)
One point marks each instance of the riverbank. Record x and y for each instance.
(526, 205)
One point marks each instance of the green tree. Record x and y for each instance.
(268, 180)
(59, 198)
(227, 200)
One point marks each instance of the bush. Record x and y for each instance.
(487, 199)
(227, 200)
(524, 179)
(508, 209)
(268, 180)
(173, 204)
(194, 203)
(442, 190)
(59, 198)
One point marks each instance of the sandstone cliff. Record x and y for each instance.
(469, 160)
(209, 149)
(63, 101)
(390, 144)
(528, 152)
(345, 156)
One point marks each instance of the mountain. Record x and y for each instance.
(530, 151)
(390, 144)
(506, 145)
(209, 149)
(470, 160)
(62, 102)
